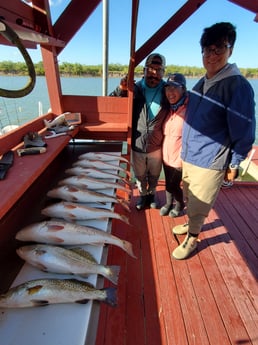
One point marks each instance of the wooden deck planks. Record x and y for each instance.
(210, 298)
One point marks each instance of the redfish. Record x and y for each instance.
(102, 156)
(91, 183)
(65, 233)
(56, 259)
(75, 194)
(40, 292)
(100, 165)
(95, 173)
(72, 211)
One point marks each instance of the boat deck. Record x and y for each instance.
(210, 298)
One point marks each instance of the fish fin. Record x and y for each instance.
(82, 301)
(111, 296)
(34, 289)
(56, 239)
(84, 254)
(112, 273)
(55, 227)
(70, 206)
(39, 303)
(72, 189)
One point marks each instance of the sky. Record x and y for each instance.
(181, 48)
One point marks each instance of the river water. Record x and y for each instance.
(18, 111)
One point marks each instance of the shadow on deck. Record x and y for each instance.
(211, 298)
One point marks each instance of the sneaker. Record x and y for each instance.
(180, 229)
(185, 248)
(152, 201)
(164, 211)
(227, 184)
(141, 203)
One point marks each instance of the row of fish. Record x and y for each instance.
(88, 183)
(51, 253)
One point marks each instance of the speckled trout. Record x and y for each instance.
(49, 258)
(65, 233)
(92, 184)
(72, 211)
(42, 292)
(76, 194)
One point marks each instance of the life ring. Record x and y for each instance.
(12, 37)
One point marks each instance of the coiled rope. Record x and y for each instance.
(12, 37)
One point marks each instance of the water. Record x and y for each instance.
(18, 111)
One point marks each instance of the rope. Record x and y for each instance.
(12, 37)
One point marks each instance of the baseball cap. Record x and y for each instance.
(156, 59)
(176, 79)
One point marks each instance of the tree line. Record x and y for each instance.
(68, 69)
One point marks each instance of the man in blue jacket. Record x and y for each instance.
(218, 132)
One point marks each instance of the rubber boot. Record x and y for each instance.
(164, 211)
(141, 203)
(177, 210)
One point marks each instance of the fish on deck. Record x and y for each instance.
(96, 173)
(100, 165)
(103, 156)
(92, 184)
(41, 292)
(65, 233)
(72, 211)
(55, 259)
(82, 195)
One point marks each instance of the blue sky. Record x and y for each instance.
(182, 48)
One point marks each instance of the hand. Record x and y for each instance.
(231, 174)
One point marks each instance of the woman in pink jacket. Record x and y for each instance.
(176, 95)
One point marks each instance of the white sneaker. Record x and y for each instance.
(227, 184)
(185, 248)
(180, 229)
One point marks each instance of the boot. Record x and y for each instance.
(164, 211)
(141, 203)
(177, 210)
(185, 248)
(152, 201)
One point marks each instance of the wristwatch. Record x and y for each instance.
(233, 166)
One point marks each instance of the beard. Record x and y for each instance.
(152, 81)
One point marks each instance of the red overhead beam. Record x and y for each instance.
(72, 19)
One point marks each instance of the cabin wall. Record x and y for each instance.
(96, 109)
(103, 118)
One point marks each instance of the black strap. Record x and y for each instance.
(5, 163)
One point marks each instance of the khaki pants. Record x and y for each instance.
(147, 168)
(200, 187)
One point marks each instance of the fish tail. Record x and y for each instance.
(112, 273)
(111, 296)
(124, 204)
(128, 248)
(124, 219)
